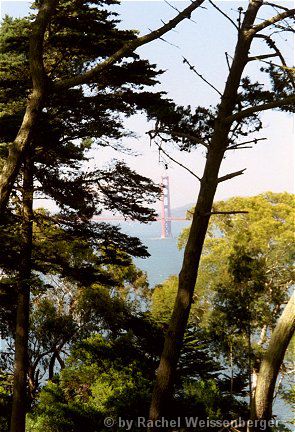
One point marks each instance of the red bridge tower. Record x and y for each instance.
(165, 208)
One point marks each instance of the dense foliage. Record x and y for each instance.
(246, 276)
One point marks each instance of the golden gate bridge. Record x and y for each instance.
(165, 216)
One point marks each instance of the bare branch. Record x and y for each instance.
(177, 162)
(227, 212)
(169, 43)
(177, 10)
(92, 75)
(290, 100)
(239, 148)
(163, 22)
(201, 76)
(224, 14)
(231, 175)
(261, 57)
(275, 6)
(227, 60)
(173, 7)
(270, 42)
(288, 13)
(239, 145)
(282, 27)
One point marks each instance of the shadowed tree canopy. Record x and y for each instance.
(78, 119)
(101, 64)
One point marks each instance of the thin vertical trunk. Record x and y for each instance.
(51, 365)
(23, 305)
(231, 369)
(250, 364)
(165, 376)
(271, 363)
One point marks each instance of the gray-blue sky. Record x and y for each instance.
(203, 42)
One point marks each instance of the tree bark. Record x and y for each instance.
(51, 366)
(188, 275)
(271, 363)
(19, 401)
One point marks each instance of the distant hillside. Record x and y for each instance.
(181, 211)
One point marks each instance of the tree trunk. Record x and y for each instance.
(165, 376)
(23, 306)
(35, 104)
(51, 366)
(271, 363)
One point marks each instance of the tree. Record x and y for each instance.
(43, 84)
(109, 372)
(218, 130)
(82, 297)
(23, 302)
(246, 273)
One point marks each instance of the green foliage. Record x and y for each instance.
(249, 256)
(57, 416)
(288, 395)
(206, 393)
(5, 400)
(163, 298)
(111, 376)
(89, 389)
(76, 121)
(68, 302)
(245, 276)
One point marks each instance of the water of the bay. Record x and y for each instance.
(165, 258)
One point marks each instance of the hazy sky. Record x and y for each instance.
(203, 42)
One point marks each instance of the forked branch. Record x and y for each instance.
(200, 76)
